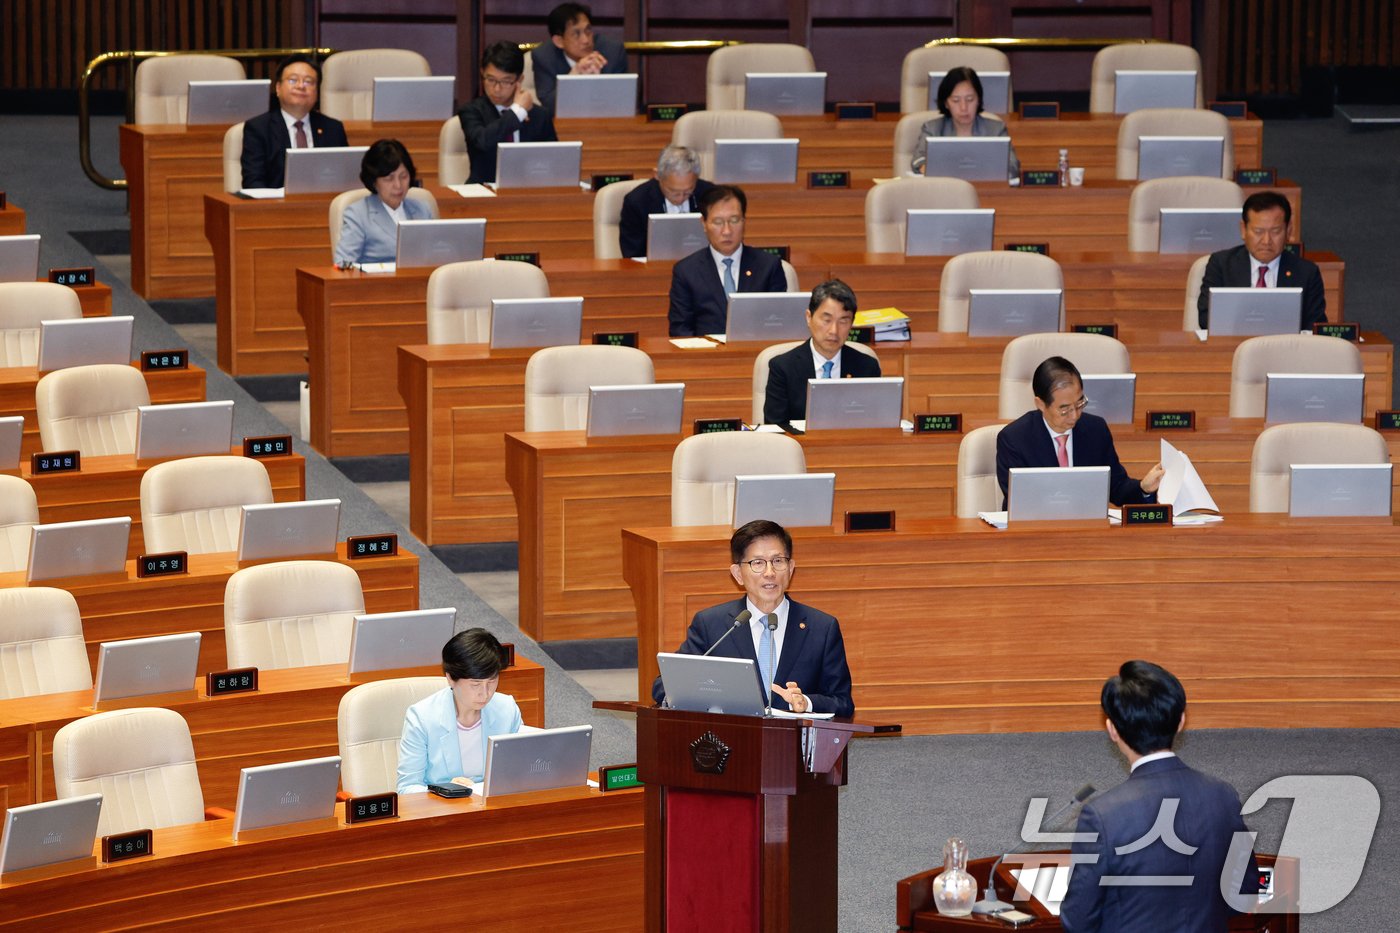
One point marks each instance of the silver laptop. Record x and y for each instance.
(614, 411)
(49, 832)
(1140, 90)
(1013, 312)
(138, 667)
(433, 243)
(331, 168)
(1039, 494)
(767, 316)
(854, 403)
(712, 684)
(756, 161)
(184, 429)
(288, 529)
(543, 760)
(938, 232)
(385, 641)
(290, 792)
(1255, 312)
(996, 90)
(793, 500)
(1198, 230)
(787, 94)
(225, 103)
(84, 341)
(398, 99)
(11, 439)
(1338, 490)
(77, 549)
(674, 236)
(579, 96)
(536, 322)
(1290, 397)
(1111, 396)
(971, 158)
(538, 165)
(1173, 156)
(19, 258)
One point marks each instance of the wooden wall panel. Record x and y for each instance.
(1265, 45)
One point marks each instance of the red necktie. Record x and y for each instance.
(1261, 283)
(1061, 452)
(301, 143)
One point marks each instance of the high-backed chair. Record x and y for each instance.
(1256, 357)
(557, 381)
(607, 217)
(342, 201)
(760, 371)
(347, 79)
(1279, 447)
(1135, 56)
(885, 206)
(163, 84)
(41, 642)
(1149, 197)
(91, 409)
(19, 512)
(704, 466)
(460, 295)
(726, 68)
(790, 274)
(913, 76)
(192, 505)
(991, 269)
(233, 158)
(978, 489)
(454, 163)
(1195, 279)
(1171, 121)
(293, 613)
(23, 305)
(1094, 354)
(369, 724)
(699, 129)
(906, 139)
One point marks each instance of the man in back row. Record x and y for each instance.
(504, 113)
(573, 49)
(676, 189)
(827, 355)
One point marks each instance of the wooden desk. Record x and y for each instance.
(123, 606)
(95, 299)
(12, 219)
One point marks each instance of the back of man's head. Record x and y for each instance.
(1145, 703)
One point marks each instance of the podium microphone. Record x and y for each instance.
(741, 620)
(991, 904)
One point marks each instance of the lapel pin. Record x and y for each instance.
(748, 272)
(802, 625)
(1287, 274)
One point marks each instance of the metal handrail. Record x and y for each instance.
(1013, 44)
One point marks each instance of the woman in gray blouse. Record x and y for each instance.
(960, 103)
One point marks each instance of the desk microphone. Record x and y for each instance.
(772, 621)
(741, 620)
(991, 904)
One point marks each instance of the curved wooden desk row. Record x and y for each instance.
(12, 219)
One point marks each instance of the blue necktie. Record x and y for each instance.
(826, 369)
(765, 657)
(729, 286)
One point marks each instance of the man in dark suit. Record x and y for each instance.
(830, 313)
(506, 113)
(676, 189)
(1162, 845)
(574, 49)
(291, 123)
(1057, 432)
(1261, 261)
(702, 282)
(798, 649)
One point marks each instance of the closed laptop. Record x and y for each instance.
(288, 529)
(437, 242)
(793, 500)
(384, 641)
(324, 169)
(183, 429)
(755, 161)
(948, 232)
(224, 103)
(289, 792)
(19, 258)
(1013, 312)
(674, 236)
(536, 322)
(615, 411)
(788, 94)
(971, 158)
(1339, 490)
(78, 549)
(1057, 494)
(1254, 312)
(84, 341)
(420, 98)
(538, 165)
(1291, 397)
(540, 760)
(712, 684)
(1198, 230)
(1111, 396)
(1174, 156)
(49, 832)
(142, 666)
(592, 96)
(767, 316)
(1140, 90)
(854, 403)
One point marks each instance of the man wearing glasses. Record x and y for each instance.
(1057, 432)
(505, 113)
(798, 649)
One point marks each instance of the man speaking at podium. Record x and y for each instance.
(799, 650)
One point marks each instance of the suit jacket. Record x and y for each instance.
(1229, 268)
(1207, 817)
(484, 127)
(369, 234)
(429, 751)
(549, 63)
(698, 303)
(982, 125)
(814, 656)
(786, 398)
(1025, 443)
(643, 200)
(266, 141)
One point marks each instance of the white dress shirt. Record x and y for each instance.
(1069, 443)
(400, 213)
(719, 259)
(1270, 277)
(818, 361)
(758, 627)
(521, 114)
(1155, 756)
(291, 122)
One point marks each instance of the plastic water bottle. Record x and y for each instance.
(1064, 167)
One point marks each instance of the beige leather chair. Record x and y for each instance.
(1169, 121)
(886, 203)
(726, 68)
(913, 77)
(760, 371)
(369, 724)
(1138, 56)
(342, 201)
(233, 158)
(23, 305)
(1195, 278)
(192, 505)
(1279, 447)
(978, 489)
(704, 466)
(347, 79)
(557, 381)
(607, 217)
(991, 269)
(1091, 354)
(1149, 197)
(454, 164)
(293, 613)
(699, 129)
(91, 409)
(460, 294)
(1256, 357)
(790, 274)
(41, 643)
(19, 512)
(906, 138)
(163, 84)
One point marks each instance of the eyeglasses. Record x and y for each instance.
(1080, 405)
(725, 221)
(294, 81)
(499, 82)
(760, 564)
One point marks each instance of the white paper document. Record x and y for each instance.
(995, 519)
(693, 343)
(378, 268)
(1184, 491)
(472, 191)
(262, 194)
(1047, 884)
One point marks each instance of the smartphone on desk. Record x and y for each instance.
(450, 790)
(1014, 918)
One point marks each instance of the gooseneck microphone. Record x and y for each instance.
(740, 621)
(991, 904)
